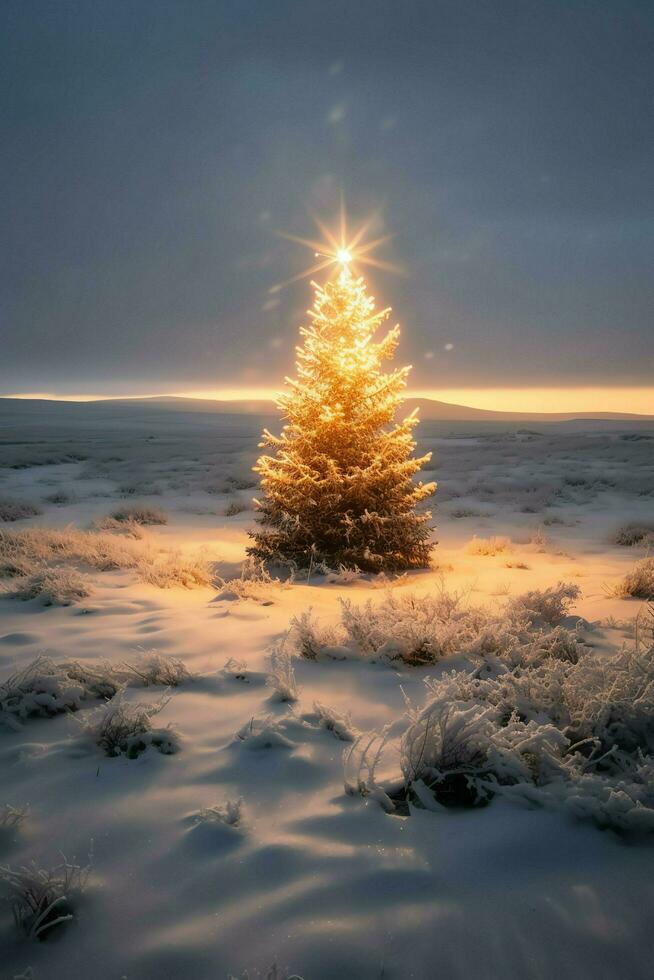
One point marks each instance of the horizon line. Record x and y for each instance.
(635, 399)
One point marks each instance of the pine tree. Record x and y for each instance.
(339, 487)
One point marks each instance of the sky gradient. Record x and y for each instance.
(152, 151)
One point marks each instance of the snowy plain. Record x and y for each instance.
(324, 884)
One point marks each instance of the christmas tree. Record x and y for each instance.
(339, 487)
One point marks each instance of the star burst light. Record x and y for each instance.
(340, 249)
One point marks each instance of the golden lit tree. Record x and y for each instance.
(339, 488)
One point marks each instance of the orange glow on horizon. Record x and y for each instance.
(636, 400)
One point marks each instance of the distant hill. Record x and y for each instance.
(429, 409)
(435, 411)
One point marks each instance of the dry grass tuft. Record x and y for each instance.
(36, 550)
(44, 898)
(17, 510)
(255, 582)
(140, 514)
(488, 547)
(58, 586)
(638, 583)
(635, 533)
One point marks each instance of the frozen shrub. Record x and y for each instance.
(338, 576)
(229, 813)
(639, 582)
(17, 510)
(16, 567)
(549, 605)
(255, 582)
(314, 640)
(460, 750)
(60, 497)
(389, 581)
(634, 533)
(611, 699)
(58, 586)
(237, 670)
(426, 629)
(538, 540)
(551, 519)
(336, 722)
(123, 727)
(579, 735)
(235, 507)
(264, 733)
(131, 529)
(45, 688)
(488, 546)
(360, 764)
(153, 669)
(140, 514)
(172, 569)
(623, 804)
(41, 898)
(282, 674)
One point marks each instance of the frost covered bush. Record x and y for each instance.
(339, 575)
(60, 497)
(58, 586)
(255, 582)
(123, 727)
(16, 567)
(282, 674)
(425, 629)
(336, 722)
(42, 899)
(361, 761)
(488, 546)
(170, 569)
(611, 700)
(579, 735)
(45, 688)
(264, 733)
(229, 813)
(151, 669)
(459, 750)
(639, 582)
(17, 510)
(140, 514)
(545, 605)
(460, 512)
(131, 529)
(634, 533)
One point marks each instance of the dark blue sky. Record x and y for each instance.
(151, 150)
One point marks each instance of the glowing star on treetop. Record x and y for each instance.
(341, 248)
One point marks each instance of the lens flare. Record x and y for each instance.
(341, 248)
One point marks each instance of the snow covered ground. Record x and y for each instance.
(325, 884)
